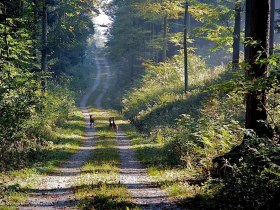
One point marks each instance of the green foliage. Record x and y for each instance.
(160, 91)
(28, 116)
(156, 10)
(195, 142)
(20, 98)
(252, 182)
(57, 104)
(67, 38)
(206, 126)
(216, 21)
(15, 185)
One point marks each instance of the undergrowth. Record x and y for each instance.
(63, 141)
(183, 132)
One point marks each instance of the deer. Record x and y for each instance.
(91, 120)
(112, 124)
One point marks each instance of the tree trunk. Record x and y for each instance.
(44, 38)
(185, 47)
(272, 17)
(164, 38)
(257, 28)
(6, 48)
(131, 67)
(44, 43)
(35, 33)
(236, 36)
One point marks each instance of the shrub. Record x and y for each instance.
(162, 85)
(28, 117)
(196, 141)
(254, 181)
(20, 98)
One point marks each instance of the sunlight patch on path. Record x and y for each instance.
(54, 191)
(139, 184)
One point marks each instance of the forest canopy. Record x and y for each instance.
(197, 81)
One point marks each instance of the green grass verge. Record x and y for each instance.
(99, 185)
(180, 183)
(65, 141)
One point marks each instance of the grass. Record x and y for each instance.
(65, 141)
(177, 181)
(99, 185)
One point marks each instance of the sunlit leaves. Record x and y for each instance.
(156, 10)
(217, 23)
(67, 39)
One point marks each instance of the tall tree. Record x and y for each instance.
(257, 35)
(185, 46)
(161, 10)
(272, 17)
(236, 35)
(44, 42)
(165, 31)
(44, 36)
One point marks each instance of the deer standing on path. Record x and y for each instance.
(115, 127)
(112, 124)
(91, 120)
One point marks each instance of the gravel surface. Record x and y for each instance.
(139, 184)
(55, 190)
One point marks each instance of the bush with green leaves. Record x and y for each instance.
(160, 90)
(252, 182)
(196, 141)
(58, 102)
(27, 115)
(206, 126)
(20, 99)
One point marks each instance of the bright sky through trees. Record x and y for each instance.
(102, 23)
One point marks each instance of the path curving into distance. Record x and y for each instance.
(133, 174)
(54, 191)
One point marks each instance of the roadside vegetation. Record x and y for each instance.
(196, 143)
(62, 141)
(40, 127)
(181, 134)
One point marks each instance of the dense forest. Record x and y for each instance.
(194, 85)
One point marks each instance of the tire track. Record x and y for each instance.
(133, 174)
(54, 191)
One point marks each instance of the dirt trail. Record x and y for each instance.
(54, 191)
(139, 184)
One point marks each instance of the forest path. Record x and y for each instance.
(133, 174)
(54, 191)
